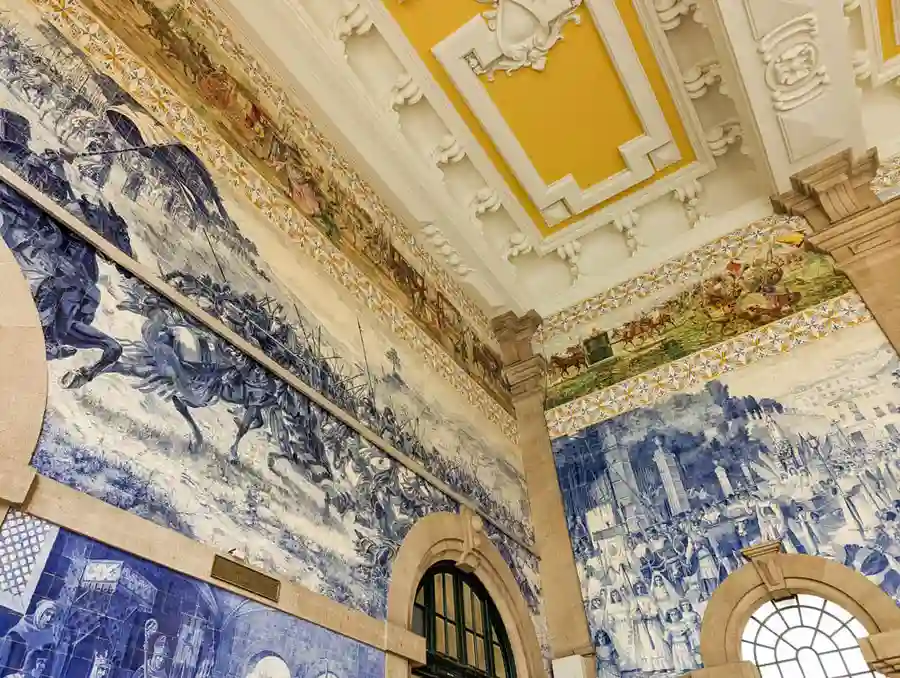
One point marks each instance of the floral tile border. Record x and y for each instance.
(114, 58)
(653, 386)
(673, 272)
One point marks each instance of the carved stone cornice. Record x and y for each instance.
(515, 334)
(830, 191)
(527, 377)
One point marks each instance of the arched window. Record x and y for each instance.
(462, 628)
(804, 636)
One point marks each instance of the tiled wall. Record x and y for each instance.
(71, 607)
(154, 414)
(801, 447)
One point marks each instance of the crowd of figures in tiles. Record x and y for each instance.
(206, 440)
(73, 608)
(802, 448)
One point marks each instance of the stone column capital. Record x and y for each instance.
(832, 190)
(515, 334)
(527, 377)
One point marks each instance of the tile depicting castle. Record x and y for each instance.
(661, 500)
(75, 608)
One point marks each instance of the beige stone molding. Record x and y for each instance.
(882, 653)
(145, 275)
(23, 396)
(526, 372)
(459, 539)
(738, 597)
(852, 225)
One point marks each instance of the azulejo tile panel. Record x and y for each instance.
(770, 277)
(82, 141)
(652, 386)
(96, 612)
(801, 446)
(282, 178)
(673, 273)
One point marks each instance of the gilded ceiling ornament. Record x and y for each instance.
(526, 31)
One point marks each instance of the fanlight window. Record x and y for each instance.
(805, 637)
(462, 628)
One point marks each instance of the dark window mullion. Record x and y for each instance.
(459, 604)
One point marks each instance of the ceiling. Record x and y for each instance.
(546, 151)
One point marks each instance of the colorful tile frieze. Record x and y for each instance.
(308, 192)
(743, 283)
(645, 389)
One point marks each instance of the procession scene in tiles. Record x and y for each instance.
(73, 608)
(153, 413)
(803, 447)
(770, 281)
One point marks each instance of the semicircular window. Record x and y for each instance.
(462, 628)
(805, 637)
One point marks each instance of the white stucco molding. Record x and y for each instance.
(466, 53)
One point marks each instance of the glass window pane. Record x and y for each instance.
(480, 660)
(452, 641)
(478, 626)
(845, 640)
(418, 620)
(764, 655)
(470, 649)
(420, 596)
(467, 602)
(439, 594)
(440, 643)
(855, 661)
(834, 665)
(499, 667)
(450, 597)
(750, 629)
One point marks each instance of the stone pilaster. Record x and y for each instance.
(853, 226)
(570, 638)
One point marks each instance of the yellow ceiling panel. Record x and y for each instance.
(570, 118)
(889, 46)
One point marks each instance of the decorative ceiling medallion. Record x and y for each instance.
(525, 32)
(519, 33)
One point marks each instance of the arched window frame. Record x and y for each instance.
(774, 575)
(445, 608)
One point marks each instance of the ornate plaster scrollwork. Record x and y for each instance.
(486, 200)
(689, 196)
(405, 92)
(571, 254)
(353, 20)
(699, 78)
(436, 238)
(794, 72)
(862, 65)
(448, 151)
(518, 244)
(469, 560)
(526, 31)
(671, 12)
(627, 225)
(722, 137)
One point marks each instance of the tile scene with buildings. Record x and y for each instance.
(72, 607)
(661, 500)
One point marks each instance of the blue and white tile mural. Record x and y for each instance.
(86, 610)
(803, 448)
(79, 138)
(152, 413)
